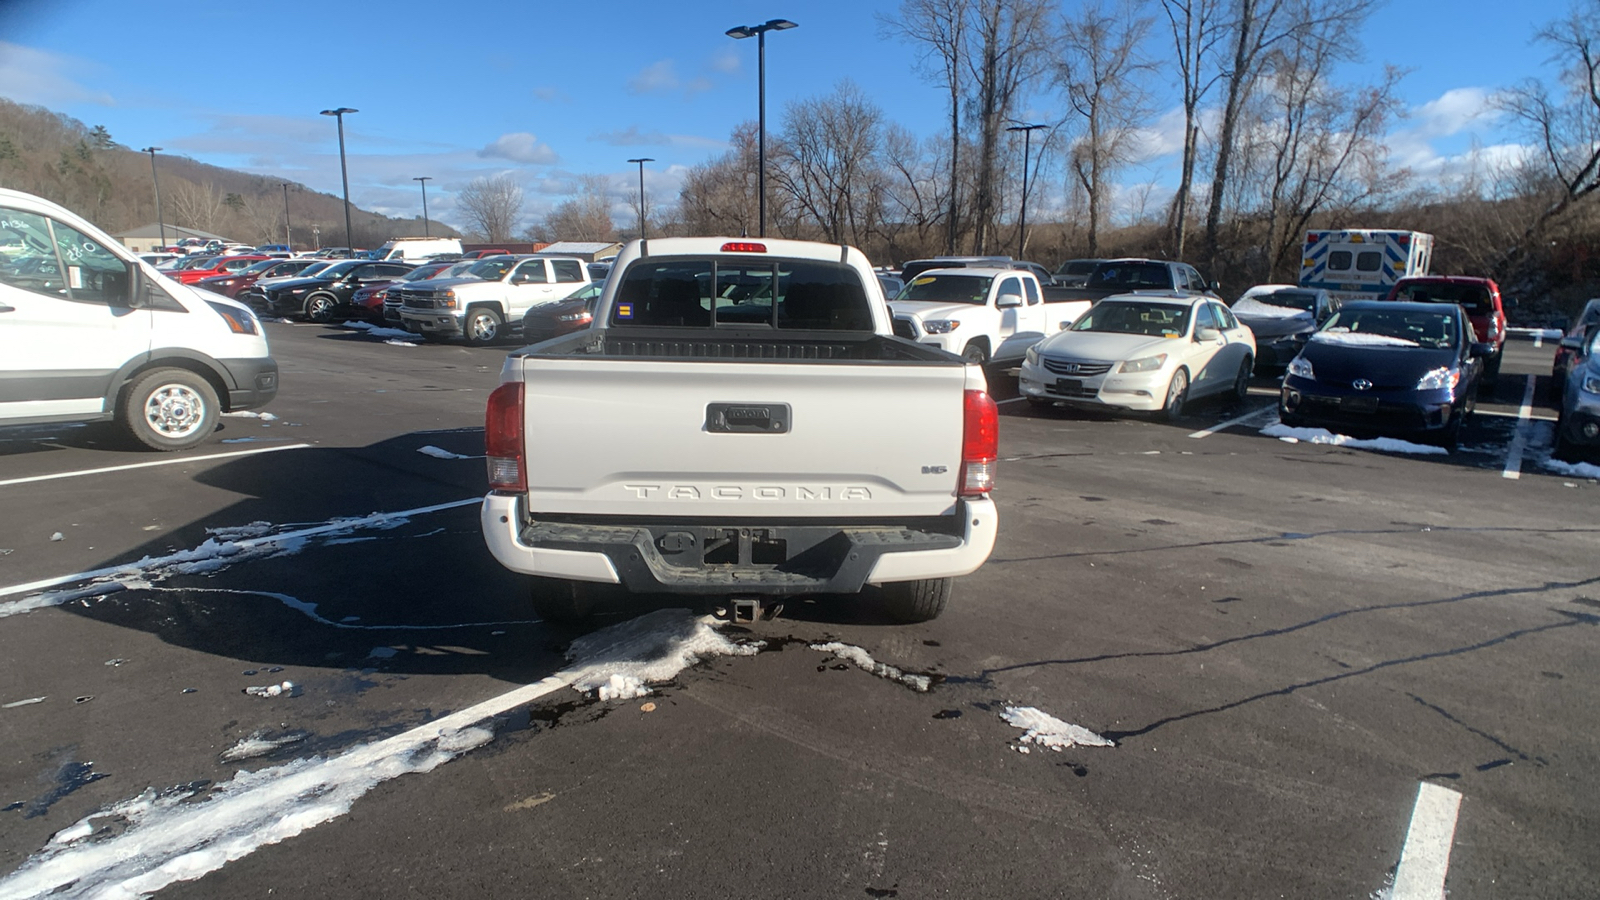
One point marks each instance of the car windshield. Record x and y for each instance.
(1432, 330)
(1077, 267)
(1301, 300)
(1127, 317)
(339, 268)
(421, 272)
(585, 292)
(1474, 298)
(972, 289)
(492, 269)
(1131, 276)
(258, 267)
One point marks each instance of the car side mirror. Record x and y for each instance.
(1481, 350)
(1216, 287)
(1006, 301)
(1207, 334)
(1572, 342)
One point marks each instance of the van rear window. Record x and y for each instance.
(784, 294)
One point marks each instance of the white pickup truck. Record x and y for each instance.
(985, 315)
(741, 424)
(494, 292)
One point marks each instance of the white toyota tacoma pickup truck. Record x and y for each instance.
(495, 293)
(740, 424)
(985, 315)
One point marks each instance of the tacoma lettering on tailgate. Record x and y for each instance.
(742, 492)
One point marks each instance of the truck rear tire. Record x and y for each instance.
(562, 602)
(916, 601)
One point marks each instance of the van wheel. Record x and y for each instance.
(319, 307)
(169, 409)
(563, 602)
(482, 325)
(916, 601)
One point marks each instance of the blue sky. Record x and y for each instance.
(551, 92)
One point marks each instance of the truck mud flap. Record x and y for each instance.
(744, 559)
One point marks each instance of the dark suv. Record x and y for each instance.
(328, 294)
(1479, 297)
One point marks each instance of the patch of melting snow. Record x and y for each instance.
(441, 453)
(864, 661)
(259, 744)
(286, 689)
(1044, 730)
(1571, 470)
(180, 835)
(249, 414)
(376, 331)
(16, 703)
(396, 342)
(237, 532)
(1324, 436)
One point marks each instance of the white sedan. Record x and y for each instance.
(1142, 352)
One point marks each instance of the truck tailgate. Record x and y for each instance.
(708, 438)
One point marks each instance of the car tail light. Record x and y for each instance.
(503, 439)
(980, 444)
(743, 247)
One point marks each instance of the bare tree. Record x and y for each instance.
(828, 162)
(916, 199)
(197, 205)
(1008, 37)
(585, 217)
(1565, 127)
(1102, 76)
(491, 206)
(1196, 28)
(941, 26)
(719, 197)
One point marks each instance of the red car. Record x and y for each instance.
(230, 284)
(480, 254)
(369, 298)
(1479, 297)
(222, 265)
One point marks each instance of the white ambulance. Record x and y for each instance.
(1363, 263)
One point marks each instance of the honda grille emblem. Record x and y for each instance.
(1070, 367)
(1361, 384)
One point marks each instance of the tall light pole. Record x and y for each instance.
(1022, 220)
(160, 222)
(740, 32)
(424, 180)
(641, 161)
(343, 174)
(288, 233)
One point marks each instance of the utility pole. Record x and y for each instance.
(424, 180)
(288, 233)
(1022, 220)
(641, 161)
(160, 222)
(343, 173)
(740, 32)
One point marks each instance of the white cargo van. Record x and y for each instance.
(88, 332)
(416, 249)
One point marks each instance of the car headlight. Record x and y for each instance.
(1591, 384)
(1032, 356)
(299, 290)
(573, 317)
(1442, 377)
(1300, 367)
(1143, 364)
(941, 326)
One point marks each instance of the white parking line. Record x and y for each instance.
(1223, 426)
(1426, 856)
(1012, 400)
(146, 465)
(1513, 469)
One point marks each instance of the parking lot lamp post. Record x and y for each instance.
(739, 32)
(641, 161)
(160, 223)
(343, 174)
(424, 180)
(1022, 219)
(288, 232)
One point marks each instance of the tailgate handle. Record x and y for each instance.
(747, 418)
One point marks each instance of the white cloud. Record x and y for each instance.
(727, 61)
(520, 147)
(35, 76)
(654, 78)
(1453, 111)
(633, 137)
(550, 94)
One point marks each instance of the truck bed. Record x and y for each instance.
(741, 344)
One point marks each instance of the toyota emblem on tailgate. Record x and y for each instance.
(1361, 384)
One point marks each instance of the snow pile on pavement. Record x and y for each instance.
(1571, 470)
(864, 661)
(249, 414)
(1045, 730)
(286, 689)
(378, 332)
(258, 744)
(620, 661)
(396, 342)
(1360, 339)
(180, 835)
(1324, 436)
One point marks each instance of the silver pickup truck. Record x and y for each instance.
(741, 425)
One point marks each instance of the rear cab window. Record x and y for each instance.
(780, 294)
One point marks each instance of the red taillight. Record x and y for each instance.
(502, 439)
(980, 444)
(743, 247)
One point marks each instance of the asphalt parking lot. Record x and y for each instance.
(1312, 662)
